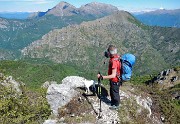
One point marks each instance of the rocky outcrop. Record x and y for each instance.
(62, 97)
(59, 95)
(167, 78)
(9, 82)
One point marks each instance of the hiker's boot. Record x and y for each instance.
(114, 107)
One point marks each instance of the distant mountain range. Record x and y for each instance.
(15, 15)
(162, 17)
(66, 9)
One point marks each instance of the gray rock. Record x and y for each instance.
(59, 95)
(74, 81)
(1, 75)
(50, 122)
(10, 82)
(175, 78)
(47, 84)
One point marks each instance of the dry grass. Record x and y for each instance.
(78, 110)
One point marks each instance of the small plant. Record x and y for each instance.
(131, 112)
(30, 107)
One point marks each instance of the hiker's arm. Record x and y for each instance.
(113, 75)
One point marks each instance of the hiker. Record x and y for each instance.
(113, 76)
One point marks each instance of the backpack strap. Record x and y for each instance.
(127, 63)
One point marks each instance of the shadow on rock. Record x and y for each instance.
(100, 92)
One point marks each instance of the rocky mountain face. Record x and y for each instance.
(166, 41)
(9, 31)
(164, 18)
(63, 9)
(97, 9)
(16, 34)
(92, 9)
(84, 44)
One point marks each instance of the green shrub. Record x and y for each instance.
(30, 107)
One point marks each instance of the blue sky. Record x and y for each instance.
(128, 5)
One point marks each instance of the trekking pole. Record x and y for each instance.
(99, 94)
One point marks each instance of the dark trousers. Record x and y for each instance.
(114, 93)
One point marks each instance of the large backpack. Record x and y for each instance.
(127, 62)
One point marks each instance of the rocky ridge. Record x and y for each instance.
(98, 9)
(59, 95)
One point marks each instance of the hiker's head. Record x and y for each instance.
(112, 50)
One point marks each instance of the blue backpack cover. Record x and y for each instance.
(127, 62)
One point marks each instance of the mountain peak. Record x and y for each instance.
(63, 3)
(98, 4)
(63, 9)
(96, 8)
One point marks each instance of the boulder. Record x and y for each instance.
(59, 95)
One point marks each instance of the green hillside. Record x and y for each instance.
(17, 34)
(35, 72)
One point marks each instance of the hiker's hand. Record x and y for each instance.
(99, 76)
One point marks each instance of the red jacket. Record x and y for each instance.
(114, 63)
